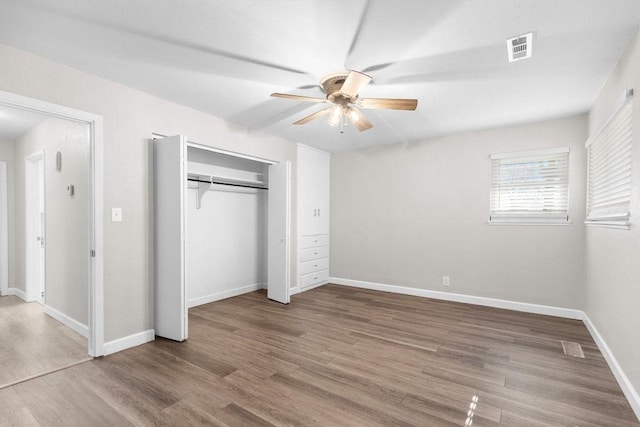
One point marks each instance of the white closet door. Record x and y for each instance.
(323, 171)
(169, 185)
(278, 232)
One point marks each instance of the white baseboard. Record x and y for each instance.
(129, 341)
(223, 295)
(299, 290)
(623, 381)
(625, 384)
(18, 293)
(67, 321)
(548, 310)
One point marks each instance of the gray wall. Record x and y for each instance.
(6, 155)
(130, 116)
(67, 218)
(613, 270)
(408, 214)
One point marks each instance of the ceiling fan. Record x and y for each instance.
(342, 91)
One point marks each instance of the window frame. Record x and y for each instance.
(530, 218)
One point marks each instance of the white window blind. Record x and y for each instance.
(609, 169)
(530, 187)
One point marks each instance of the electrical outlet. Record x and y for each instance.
(445, 280)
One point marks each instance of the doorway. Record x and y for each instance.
(93, 280)
(35, 227)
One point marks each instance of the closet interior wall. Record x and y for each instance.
(226, 226)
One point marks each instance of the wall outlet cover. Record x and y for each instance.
(116, 214)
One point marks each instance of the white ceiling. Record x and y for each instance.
(225, 57)
(15, 123)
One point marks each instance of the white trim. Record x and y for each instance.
(194, 302)
(294, 290)
(130, 341)
(625, 384)
(96, 226)
(17, 292)
(529, 221)
(529, 153)
(67, 321)
(4, 229)
(219, 150)
(34, 201)
(300, 289)
(548, 310)
(629, 391)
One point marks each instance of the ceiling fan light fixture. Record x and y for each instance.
(335, 115)
(352, 114)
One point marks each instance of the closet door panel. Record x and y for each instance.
(278, 232)
(307, 206)
(323, 170)
(169, 186)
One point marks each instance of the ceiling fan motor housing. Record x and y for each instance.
(332, 84)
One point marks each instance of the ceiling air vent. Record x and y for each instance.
(520, 47)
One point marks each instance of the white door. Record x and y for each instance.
(170, 234)
(35, 226)
(278, 232)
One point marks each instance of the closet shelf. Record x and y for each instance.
(225, 179)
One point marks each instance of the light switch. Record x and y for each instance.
(116, 214)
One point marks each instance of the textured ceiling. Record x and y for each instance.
(225, 57)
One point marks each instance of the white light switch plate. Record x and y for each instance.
(116, 214)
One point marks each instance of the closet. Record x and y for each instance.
(313, 169)
(222, 224)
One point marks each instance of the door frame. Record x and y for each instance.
(4, 229)
(95, 247)
(34, 190)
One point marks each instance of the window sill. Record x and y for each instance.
(540, 221)
(618, 225)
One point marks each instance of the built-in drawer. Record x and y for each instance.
(314, 253)
(314, 241)
(314, 278)
(313, 266)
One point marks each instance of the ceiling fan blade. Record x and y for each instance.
(298, 97)
(388, 103)
(358, 119)
(354, 83)
(313, 116)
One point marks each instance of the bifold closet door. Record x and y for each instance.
(169, 186)
(278, 239)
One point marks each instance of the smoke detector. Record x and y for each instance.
(520, 47)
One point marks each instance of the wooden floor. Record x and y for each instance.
(32, 343)
(338, 356)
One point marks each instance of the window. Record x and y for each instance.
(609, 170)
(530, 187)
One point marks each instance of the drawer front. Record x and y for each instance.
(314, 253)
(313, 266)
(314, 278)
(314, 241)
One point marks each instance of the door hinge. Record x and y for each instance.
(93, 253)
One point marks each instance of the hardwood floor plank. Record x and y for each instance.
(337, 356)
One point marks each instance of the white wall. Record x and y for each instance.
(130, 116)
(67, 218)
(226, 248)
(6, 155)
(612, 256)
(408, 214)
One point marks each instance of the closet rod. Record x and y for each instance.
(227, 183)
